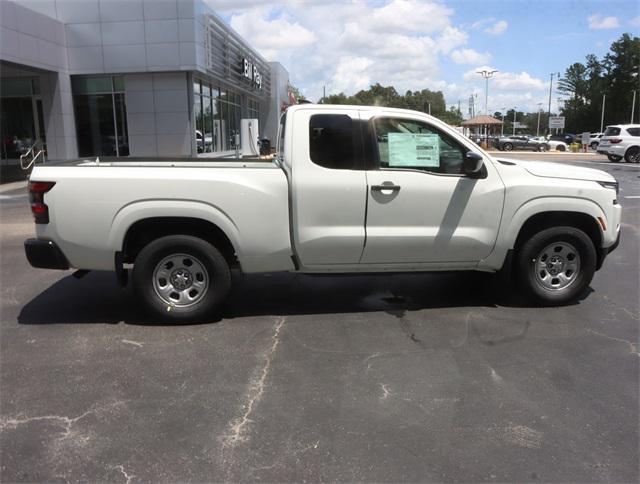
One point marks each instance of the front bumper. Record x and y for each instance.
(605, 251)
(45, 254)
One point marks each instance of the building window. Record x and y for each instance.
(101, 115)
(21, 120)
(217, 114)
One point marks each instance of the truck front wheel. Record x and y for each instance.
(181, 278)
(556, 265)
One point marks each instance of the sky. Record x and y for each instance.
(347, 45)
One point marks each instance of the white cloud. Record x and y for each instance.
(347, 45)
(470, 56)
(635, 22)
(498, 28)
(598, 22)
(273, 34)
(508, 80)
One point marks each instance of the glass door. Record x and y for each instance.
(18, 126)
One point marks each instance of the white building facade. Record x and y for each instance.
(129, 78)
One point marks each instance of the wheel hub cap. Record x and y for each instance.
(557, 266)
(180, 280)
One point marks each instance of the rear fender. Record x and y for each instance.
(137, 211)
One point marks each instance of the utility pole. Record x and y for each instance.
(514, 120)
(324, 93)
(633, 105)
(550, 90)
(539, 110)
(502, 116)
(604, 97)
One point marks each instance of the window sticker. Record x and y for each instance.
(414, 150)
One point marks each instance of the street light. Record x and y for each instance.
(486, 74)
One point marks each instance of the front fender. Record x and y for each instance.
(514, 221)
(548, 204)
(134, 212)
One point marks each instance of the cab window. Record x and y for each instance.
(331, 141)
(410, 144)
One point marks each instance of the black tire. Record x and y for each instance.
(614, 158)
(594, 145)
(209, 268)
(507, 147)
(561, 148)
(632, 155)
(527, 266)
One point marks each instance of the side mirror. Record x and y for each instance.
(472, 164)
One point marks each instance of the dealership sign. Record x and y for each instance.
(251, 72)
(556, 122)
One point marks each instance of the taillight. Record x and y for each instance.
(39, 209)
(615, 140)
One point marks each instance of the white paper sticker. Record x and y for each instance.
(414, 150)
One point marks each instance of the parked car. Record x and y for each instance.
(567, 138)
(522, 142)
(621, 141)
(312, 209)
(553, 144)
(594, 140)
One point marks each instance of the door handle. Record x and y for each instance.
(380, 188)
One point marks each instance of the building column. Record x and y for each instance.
(59, 120)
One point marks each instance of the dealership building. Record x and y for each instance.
(131, 78)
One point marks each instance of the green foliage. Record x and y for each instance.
(378, 95)
(616, 75)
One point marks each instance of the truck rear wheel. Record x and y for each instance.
(181, 278)
(556, 265)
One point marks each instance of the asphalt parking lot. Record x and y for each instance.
(386, 378)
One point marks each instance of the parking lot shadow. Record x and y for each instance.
(97, 299)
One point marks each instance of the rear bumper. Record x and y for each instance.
(45, 254)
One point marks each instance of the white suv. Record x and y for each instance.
(621, 141)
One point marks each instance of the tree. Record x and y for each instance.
(378, 95)
(585, 85)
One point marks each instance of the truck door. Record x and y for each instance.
(329, 189)
(421, 207)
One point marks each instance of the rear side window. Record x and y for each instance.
(633, 131)
(331, 141)
(612, 131)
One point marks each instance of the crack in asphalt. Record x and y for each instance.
(238, 428)
(633, 348)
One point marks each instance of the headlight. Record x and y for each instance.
(610, 184)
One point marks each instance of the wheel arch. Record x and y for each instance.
(555, 218)
(145, 230)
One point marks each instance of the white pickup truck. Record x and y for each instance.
(353, 189)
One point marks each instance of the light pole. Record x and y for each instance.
(633, 105)
(486, 74)
(550, 90)
(502, 116)
(514, 120)
(539, 110)
(604, 98)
